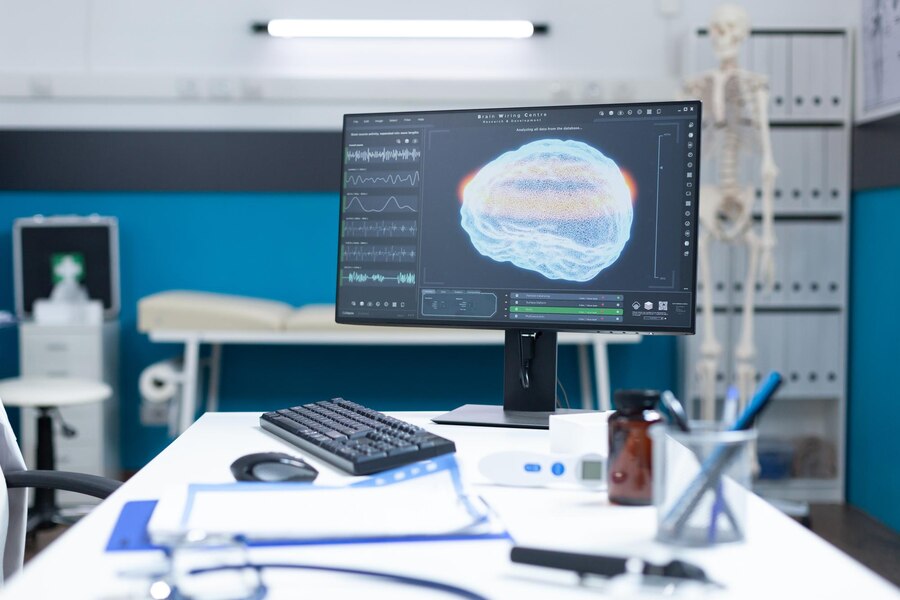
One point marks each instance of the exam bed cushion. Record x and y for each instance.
(203, 310)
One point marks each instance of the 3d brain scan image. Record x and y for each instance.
(561, 208)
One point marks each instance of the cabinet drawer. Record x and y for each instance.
(69, 355)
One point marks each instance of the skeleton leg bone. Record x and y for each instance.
(745, 353)
(710, 349)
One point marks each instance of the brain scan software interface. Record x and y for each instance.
(580, 217)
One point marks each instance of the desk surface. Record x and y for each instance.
(780, 559)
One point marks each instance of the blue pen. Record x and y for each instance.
(730, 407)
(760, 401)
(729, 412)
(712, 467)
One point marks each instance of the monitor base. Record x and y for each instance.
(489, 415)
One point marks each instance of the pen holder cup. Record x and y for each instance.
(700, 483)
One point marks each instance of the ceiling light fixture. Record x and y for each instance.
(382, 28)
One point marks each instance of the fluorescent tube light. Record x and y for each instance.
(360, 28)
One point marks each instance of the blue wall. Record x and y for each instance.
(283, 247)
(873, 451)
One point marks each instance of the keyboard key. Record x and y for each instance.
(402, 450)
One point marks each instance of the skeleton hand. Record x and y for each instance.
(767, 262)
(769, 171)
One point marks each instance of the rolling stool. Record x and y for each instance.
(48, 395)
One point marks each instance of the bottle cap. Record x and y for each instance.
(632, 401)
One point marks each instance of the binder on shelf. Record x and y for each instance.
(835, 58)
(823, 330)
(819, 258)
(798, 355)
(837, 170)
(800, 75)
(832, 381)
(795, 257)
(782, 181)
(815, 173)
(831, 238)
(770, 344)
(796, 159)
(817, 75)
(779, 76)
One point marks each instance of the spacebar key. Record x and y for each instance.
(402, 450)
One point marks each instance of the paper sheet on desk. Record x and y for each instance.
(423, 499)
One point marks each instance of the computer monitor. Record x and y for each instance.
(529, 220)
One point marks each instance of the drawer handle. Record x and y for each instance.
(57, 347)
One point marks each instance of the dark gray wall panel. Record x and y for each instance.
(876, 155)
(169, 161)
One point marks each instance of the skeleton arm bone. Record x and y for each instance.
(768, 172)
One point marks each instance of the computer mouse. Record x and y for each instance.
(272, 467)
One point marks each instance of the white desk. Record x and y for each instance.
(780, 559)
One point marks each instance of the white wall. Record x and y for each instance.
(195, 63)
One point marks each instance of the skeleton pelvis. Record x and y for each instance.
(726, 214)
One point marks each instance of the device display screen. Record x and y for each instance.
(575, 218)
(592, 470)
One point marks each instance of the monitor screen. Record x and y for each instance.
(556, 218)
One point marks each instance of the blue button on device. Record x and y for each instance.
(558, 469)
(532, 467)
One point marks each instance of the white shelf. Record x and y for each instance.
(802, 490)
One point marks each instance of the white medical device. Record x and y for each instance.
(534, 469)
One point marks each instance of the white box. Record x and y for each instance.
(580, 433)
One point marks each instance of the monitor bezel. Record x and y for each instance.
(585, 328)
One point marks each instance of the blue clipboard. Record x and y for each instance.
(130, 531)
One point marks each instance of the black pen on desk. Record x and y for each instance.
(675, 409)
(606, 566)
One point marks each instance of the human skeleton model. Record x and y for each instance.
(735, 103)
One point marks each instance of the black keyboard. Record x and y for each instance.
(354, 438)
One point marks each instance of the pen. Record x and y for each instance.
(729, 412)
(675, 409)
(605, 566)
(730, 407)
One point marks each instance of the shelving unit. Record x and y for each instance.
(801, 323)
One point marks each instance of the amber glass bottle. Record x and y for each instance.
(630, 451)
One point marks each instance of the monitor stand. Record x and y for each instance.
(528, 357)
